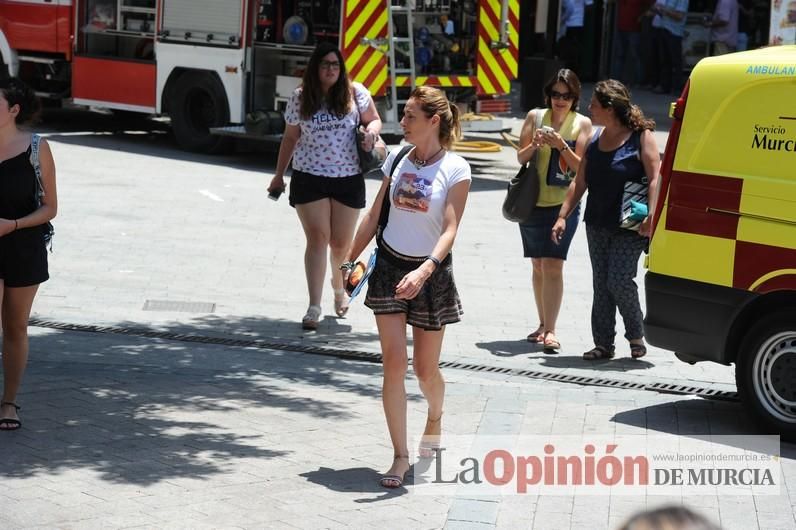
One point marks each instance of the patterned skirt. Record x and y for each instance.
(437, 303)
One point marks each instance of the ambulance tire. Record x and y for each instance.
(765, 373)
(198, 102)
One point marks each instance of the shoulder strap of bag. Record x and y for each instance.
(384, 216)
(34, 161)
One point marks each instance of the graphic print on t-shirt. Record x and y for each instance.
(412, 193)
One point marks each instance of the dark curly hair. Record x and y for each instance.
(569, 78)
(338, 98)
(16, 92)
(612, 93)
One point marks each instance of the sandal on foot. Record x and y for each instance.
(551, 344)
(429, 443)
(393, 481)
(311, 319)
(11, 424)
(536, 336)
(340, 302)
(597, 353)
(637, 351)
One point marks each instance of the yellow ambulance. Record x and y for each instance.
(721, 284)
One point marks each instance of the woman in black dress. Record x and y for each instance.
(27, 203)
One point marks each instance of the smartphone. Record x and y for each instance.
(546, 129)
(274, 195)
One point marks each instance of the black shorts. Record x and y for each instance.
(306, 187)
(23, 258)
(437, 303)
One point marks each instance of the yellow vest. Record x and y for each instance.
(570, 129)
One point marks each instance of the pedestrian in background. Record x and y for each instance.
(626, 65)
(25, 209)
(559, 150)
(724, 27)
(571, 34)
(412, 282)
(625, 151)
(327, 186)
(671, 16)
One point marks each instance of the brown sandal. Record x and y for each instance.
(598, 353)
(392, 481)
(11, 424)
(637, 351)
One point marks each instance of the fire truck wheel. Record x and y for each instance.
(199, 102)
(765, 373)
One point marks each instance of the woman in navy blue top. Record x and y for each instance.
(23, 220)
(625, 151)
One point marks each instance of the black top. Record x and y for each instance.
(606, 174)
(18, 192)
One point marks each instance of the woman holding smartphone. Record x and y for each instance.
(560, 135)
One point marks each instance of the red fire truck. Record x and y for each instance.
(208, 64)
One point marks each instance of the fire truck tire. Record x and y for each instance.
(198, 102)
(765, 372)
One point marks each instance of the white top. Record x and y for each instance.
(417, 201)
(327, 145)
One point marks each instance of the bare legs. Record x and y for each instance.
(548, 291)
(327, 224)
(16, 303)
(427, 348)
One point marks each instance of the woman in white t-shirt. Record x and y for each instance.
(327, 187)
(412, 282)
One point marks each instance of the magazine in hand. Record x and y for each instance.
(365, 275)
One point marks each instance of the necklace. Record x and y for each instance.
(420, 164)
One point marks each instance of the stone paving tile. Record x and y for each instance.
(271, 440)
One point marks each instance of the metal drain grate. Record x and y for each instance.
(668, 388)
(183, 307)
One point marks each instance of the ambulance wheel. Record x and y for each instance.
(765, 372)
(198, 102)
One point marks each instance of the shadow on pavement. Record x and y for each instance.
(510, 348)
(146, 410)
(622, 364)
(357, 479)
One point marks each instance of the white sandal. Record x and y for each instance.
(311, 319)
(340, 302)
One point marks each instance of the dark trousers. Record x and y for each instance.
(569, 48)
(627, 57)
(671, 61)
(614, 254)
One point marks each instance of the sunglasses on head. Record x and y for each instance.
(566, 96)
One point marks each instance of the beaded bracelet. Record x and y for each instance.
(348, 266)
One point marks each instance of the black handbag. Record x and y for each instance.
(373, 159)
(522, 194)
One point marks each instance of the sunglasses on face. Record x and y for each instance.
(566, 96)
(326, 65)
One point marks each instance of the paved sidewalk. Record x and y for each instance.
(146, 222)
(127, 432)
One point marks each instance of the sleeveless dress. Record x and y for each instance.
(23, 254)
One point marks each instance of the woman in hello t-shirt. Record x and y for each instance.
(412, 282)
(327, 187)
